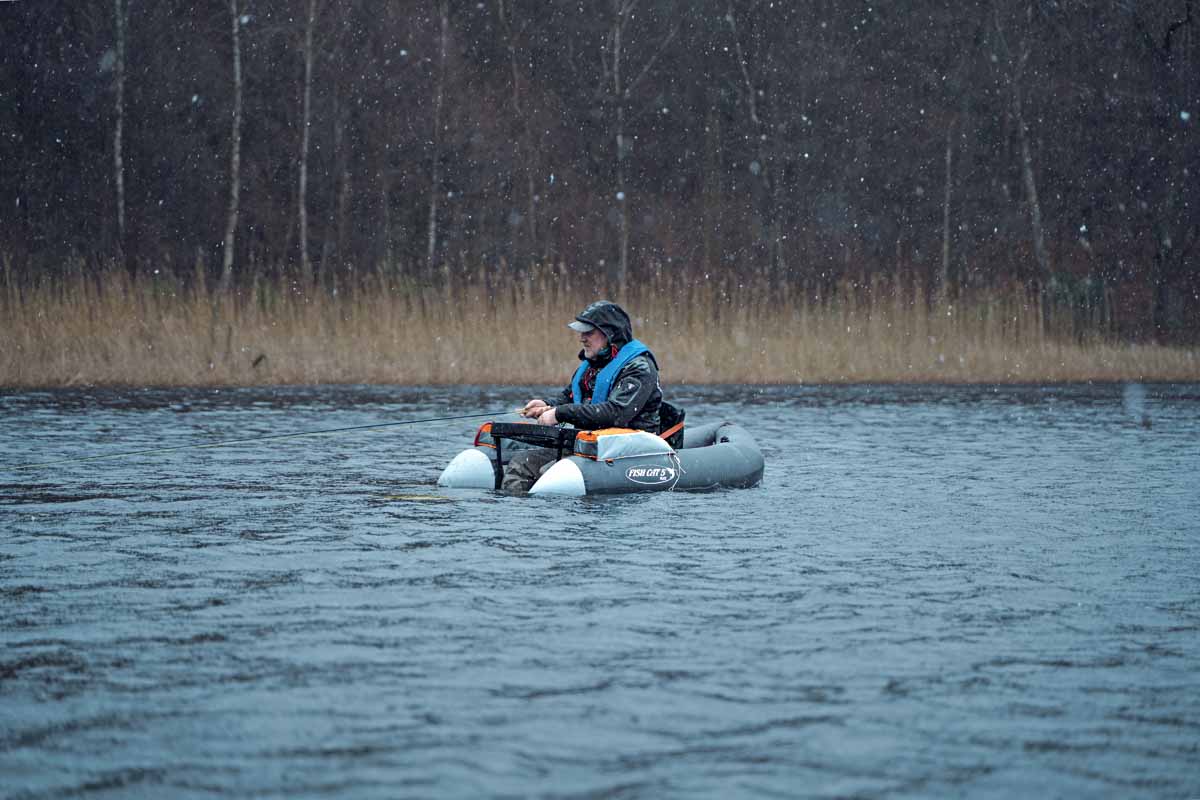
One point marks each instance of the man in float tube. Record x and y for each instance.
(615, 386)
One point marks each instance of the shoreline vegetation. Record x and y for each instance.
(110, 329)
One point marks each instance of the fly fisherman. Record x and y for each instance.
(615, 386)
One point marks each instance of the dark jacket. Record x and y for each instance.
(635, 396)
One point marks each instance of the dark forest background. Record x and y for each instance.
(952, 145)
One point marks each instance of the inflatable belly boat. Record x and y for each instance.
(612, 461)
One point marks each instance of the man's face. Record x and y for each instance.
(594, 342)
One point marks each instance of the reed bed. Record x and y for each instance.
(109, 329)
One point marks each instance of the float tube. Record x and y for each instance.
(613, 460)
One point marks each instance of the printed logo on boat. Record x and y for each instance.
(650, 476)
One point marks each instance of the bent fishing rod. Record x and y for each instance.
(275, 437)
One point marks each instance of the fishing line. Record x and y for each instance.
(276, 437)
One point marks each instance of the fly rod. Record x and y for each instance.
(275, 437)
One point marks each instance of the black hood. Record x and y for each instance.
(610, 318)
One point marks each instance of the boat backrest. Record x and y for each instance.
(670, 418)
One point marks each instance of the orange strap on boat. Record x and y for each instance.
(671, 431)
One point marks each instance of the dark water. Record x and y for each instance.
(936, 592)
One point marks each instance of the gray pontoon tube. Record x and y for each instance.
(717, 455)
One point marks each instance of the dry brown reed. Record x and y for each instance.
(108, 329)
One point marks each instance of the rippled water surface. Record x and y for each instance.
(936, 591)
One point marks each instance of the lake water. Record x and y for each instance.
(936, 591)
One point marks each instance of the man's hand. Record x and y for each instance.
(534, 409)
(548, 417)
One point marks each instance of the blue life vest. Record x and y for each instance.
(606, 376)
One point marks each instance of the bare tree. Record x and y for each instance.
(119, 126)
(306, 271)
(342, 188)
(1055, 139)
(712, 192)
(764, 146)
(1029, 178)
(944, 285)
(948, 283)
(523, 147)
(1172, 53)
(343, 98)
(1018, 61)
(618, 88)
(439, 99)
(235, 152)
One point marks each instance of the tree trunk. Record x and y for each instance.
(119, 129)
(306, 272)
(235, 154)
(435, 189)
(712, 195)
(768, 191)
(385, 202)
(945, 288)
(622, 276)
(617, 89)
(1160, 295)
(344, 198)
(1031, 192)
(331, 237)
(618, 30)
(523, 148)
(1018, 60)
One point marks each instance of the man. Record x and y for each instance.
(615, 386)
